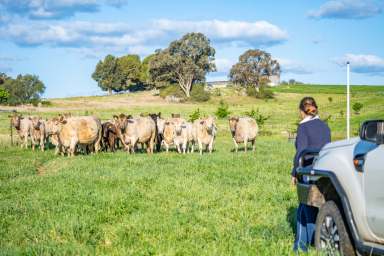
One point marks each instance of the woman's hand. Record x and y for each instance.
(293, 180)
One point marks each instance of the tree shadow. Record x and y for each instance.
(291, 218)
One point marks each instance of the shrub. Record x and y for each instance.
(330, 99)
(357, 107)
(263, 93)
(199, 94)
(46, 103)
(223, 110)
(195, 115)
(259, 117)
(171, 90)
(4, 95)
(251, 91)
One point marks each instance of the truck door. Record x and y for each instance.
(374, 189)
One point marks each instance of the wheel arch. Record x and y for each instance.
(330, 189)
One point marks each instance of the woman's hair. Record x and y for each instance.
(308, 106)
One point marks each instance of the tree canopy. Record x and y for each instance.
(117, 74)
(254, 68)
(185, 62)
(23, 89)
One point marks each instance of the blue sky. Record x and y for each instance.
(62, 40)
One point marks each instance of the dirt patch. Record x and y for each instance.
(52, 166)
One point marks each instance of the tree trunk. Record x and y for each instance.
(109, 91)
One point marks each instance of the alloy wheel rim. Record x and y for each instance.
(329, 236)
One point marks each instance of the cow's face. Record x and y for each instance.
(169, 128)
(15, 121)
(209, 124)
(233, 123)
(54, 125)
(160, 125)
(121, 121)
(36, 122)
(178, 124)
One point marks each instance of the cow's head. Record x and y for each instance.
(209, 124)
(160, 125)
(233, 123)
(53, 126)
(15, 120)
(121, 121)
(178, 124)
(36, 122)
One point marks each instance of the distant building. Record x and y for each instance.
(274, 80)
(218, 84)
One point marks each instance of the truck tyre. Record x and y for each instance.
(331, 235)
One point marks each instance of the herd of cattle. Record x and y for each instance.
(70, 134)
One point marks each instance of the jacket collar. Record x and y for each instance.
(309, 118)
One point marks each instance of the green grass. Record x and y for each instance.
(224, 203)
(328, 89)
(165, 204)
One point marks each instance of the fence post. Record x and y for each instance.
(11, 131)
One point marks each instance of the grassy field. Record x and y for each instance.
(165, 204)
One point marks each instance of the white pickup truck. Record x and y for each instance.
(345, 180)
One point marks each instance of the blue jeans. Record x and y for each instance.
(305, 227)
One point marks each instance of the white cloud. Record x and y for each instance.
(157, 33)
(223, 64)
(362, 63)
(293, 67)
(347, 9)
(54, 9)
(256, 33)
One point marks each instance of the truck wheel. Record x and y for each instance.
(331, 235)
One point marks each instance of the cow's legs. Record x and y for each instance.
(72, 146)
(253, 145)
(245, 144)
(200, 147)
(42, 144)
(192, 147)
(112, 144)
(210, 147)
(236, 146)
(178, 148)
(185, 147)
(25, 142)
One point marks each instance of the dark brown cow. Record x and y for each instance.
(110, 136)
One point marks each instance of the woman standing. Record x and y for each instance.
(312, 133)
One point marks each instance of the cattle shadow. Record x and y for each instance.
(241, 149)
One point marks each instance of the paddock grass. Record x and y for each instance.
(165, 204)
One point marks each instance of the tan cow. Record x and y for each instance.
(23, 127)
(139, 130)
(188, 137)
(204, 133)
(243, 130)
(177, 131)
(38, 132)
(168, 134)
(52, 129)
(83, 131)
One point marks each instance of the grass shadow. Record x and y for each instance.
(291, 218)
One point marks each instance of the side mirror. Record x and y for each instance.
(373, 131)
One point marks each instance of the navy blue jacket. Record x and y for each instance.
(313, 134)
